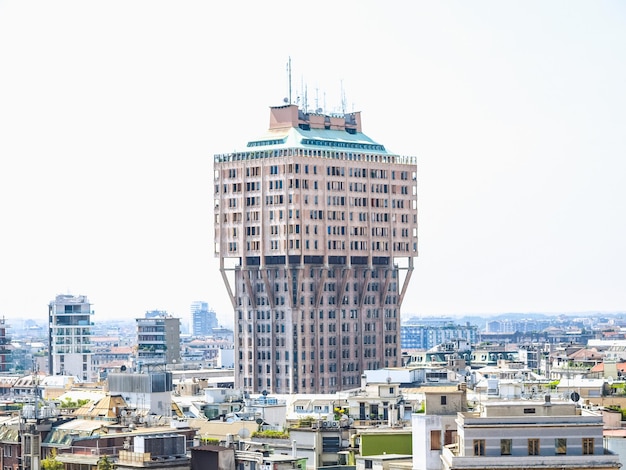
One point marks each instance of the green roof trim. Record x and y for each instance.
(324, 143)
(317, 138)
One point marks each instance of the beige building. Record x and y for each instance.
(316, 232)
(530, 435)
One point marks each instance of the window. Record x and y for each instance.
(505, 446)
(331, 444)
(479, 447)
(533, 446)
(587, 445)
(435, 440)
(444, 400)
(368, 464)
(560, 446)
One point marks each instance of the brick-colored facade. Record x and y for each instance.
(316, 232)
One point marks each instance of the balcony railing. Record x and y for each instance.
(78, 450)
(452, 460)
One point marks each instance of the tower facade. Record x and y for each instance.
(70, 336)
(316, 233)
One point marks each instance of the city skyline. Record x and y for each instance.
(110, 116)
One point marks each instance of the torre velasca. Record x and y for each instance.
(316, 233)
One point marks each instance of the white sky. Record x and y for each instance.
(111, 112)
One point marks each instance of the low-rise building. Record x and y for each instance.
(435, 425)
(542, 435)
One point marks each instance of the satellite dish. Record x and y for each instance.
(123, 368)
(575, 396)
(259, 421)
(610, 380)
(244, 433)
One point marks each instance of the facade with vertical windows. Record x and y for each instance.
(70, 326)
(316, 233)
(529, 435)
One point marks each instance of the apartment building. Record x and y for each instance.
(527, 434)
(6, 358)
(70, 329)
(158, 340)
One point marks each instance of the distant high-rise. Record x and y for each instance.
(316, 232)
(69, 336)
(203, 319)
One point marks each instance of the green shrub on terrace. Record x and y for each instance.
(269, 434)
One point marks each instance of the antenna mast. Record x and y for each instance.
(306, 98)
(289, 77)
(317, 104)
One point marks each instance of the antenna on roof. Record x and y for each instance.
(343, 99)
(317, 101)
(289, 78)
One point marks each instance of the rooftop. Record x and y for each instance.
(327, 136)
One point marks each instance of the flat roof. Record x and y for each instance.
(385, 457)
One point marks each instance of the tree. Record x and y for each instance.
(104, 463)
(68, 403)
(51, 462)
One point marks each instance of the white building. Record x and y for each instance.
(148, 393)
(528, 435)
(69, 335)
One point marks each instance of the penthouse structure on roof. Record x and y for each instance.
(316, 232)
(329, 136)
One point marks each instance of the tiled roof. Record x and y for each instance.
(106, 408)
